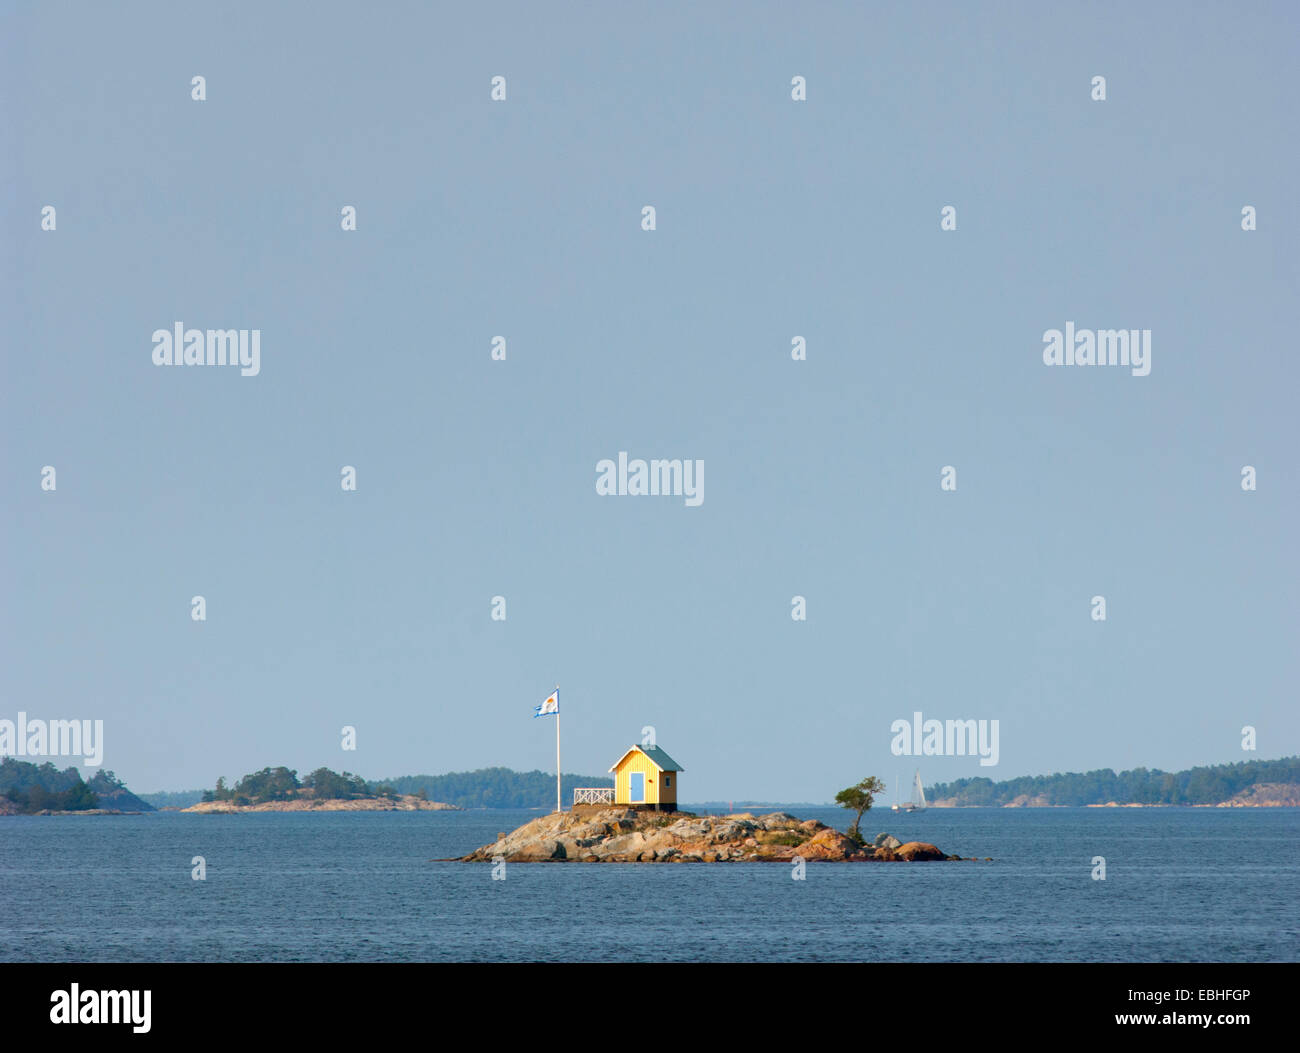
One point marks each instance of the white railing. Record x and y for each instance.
(593, 795)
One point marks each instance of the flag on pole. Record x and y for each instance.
(551, 705)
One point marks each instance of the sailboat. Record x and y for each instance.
(917, 803)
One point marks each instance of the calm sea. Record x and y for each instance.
(1181, 885)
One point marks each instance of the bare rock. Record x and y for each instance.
(919, 851)
(828, 844)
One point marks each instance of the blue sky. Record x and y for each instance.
(477, 478)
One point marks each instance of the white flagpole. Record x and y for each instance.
(558, 806)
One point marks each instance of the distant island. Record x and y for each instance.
(305, 801)
(42, 789)
(280, 790)
(1246, 784)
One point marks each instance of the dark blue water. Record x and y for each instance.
(1181, 885)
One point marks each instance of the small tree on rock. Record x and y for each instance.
(859, 799)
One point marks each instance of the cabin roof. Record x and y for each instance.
(658, 758)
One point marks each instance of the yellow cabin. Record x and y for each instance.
(646, 776)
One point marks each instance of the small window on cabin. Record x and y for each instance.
(668, 780)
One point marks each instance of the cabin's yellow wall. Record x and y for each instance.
(655, 791)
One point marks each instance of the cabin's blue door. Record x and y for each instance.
(636, 787)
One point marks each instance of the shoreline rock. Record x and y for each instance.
(79, 811)
(617, 834)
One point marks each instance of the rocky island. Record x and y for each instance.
(31, 789)
(621, 834)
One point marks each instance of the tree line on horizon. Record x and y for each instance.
(497, 787)
(1204, 785)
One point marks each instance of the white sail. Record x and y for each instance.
(918, 792)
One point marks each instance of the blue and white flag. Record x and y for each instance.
(551, 705)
